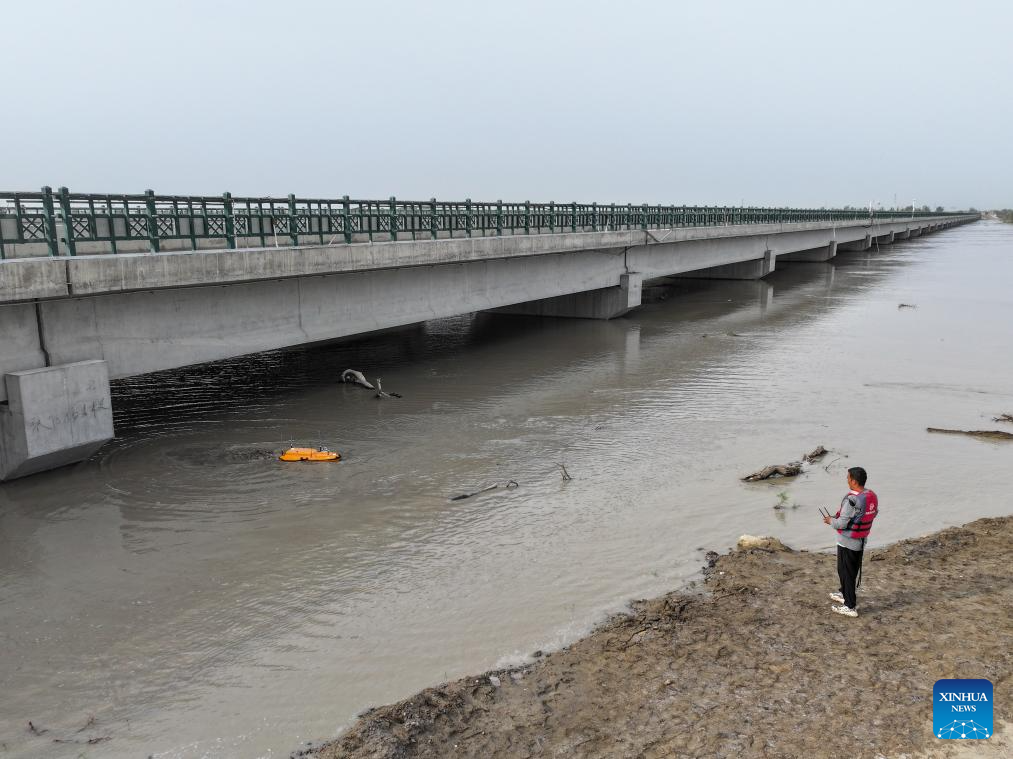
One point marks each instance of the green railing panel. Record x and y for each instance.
(72, 223)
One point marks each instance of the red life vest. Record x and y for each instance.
(861, 524)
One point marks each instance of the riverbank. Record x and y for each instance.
(749, 663)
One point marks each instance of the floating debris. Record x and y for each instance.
(381, 393)
(775, 470)
(827, 467)
(353, 377)
(815, 454)
(983, 434)
(510, 485)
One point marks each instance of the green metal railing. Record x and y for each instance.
(62, 220)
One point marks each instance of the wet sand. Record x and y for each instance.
(748, 662)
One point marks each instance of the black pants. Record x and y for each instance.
(849, 566)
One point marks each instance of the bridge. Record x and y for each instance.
(99, 287)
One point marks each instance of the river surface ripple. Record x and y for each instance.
(199, 598)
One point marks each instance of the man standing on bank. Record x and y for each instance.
(853, 523)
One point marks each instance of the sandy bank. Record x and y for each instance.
(754, 665)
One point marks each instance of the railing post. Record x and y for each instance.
(18, 234)
(346, 223)
(230, 222)
(573, 217)
(499, 217)
(594, 217)
(293, 223)
(467, 218)
(432, 219)
(68, 221)
(189, 223)
(151, 213)
(392, 217)
(52, 239)
(527, 217)
(552, 216)
(643, 217)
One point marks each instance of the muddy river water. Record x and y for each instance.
(198, 598)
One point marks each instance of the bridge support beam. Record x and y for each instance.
(857, 245)
(54, 416)
(886, 239)
(816, 255)
(906, 234)
(755, 269)
(606, 303)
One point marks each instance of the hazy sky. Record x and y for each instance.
(718, 103)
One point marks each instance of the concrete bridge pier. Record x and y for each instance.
(857, 245)
(886, 239)
(54, 416)
(905, 235)
(755, 269)
(606, 303)
(815, 255)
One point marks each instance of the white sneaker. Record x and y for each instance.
(842, 609)
(837, 598)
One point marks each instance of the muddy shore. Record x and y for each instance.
(748, 663)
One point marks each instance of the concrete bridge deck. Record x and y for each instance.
(72, 323)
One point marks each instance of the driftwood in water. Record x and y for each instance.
(983, 434)
(815, 454)
(1003, 418)
(827, 467)
(381, 393)
(906, 305)
(469, 495)
(511, 484)
(565, 474)
(777, 470)
(34, 730)
(353, 377)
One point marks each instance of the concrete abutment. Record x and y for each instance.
(54, 416)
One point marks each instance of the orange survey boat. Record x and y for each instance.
(309, 454)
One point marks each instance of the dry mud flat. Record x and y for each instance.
(755, 665)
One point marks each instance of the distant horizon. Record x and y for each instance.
(779, 105)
